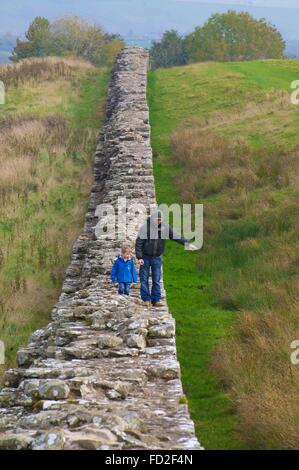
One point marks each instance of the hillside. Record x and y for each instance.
(48, 127)
(225, 135)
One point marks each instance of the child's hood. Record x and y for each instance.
(124, 260)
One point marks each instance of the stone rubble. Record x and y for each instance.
(104, 373)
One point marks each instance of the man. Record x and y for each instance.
(149, 247)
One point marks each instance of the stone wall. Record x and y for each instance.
(104, 373)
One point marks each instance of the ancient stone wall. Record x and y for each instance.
(104, 373)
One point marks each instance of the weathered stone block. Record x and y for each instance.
(109, 341)
(53, 390)
(136, 341)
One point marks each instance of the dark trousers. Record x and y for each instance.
(124, 288)
(153, 264)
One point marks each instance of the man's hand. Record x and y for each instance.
(191, 247)
(140, 262)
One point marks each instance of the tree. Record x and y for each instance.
(74, 36)
(169, 51)
(68, 36)
(234, 36)
(111, 49)
(37, 41)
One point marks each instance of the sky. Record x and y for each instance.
(151, 17)
(264, 3)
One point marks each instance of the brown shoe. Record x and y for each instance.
(157, 304)
(147, 303)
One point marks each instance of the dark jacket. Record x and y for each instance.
(123, 271)
(154, 245)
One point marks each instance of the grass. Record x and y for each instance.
(199, 325)
(225, 135)
(49, 126)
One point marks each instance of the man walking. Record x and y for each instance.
(149, 247)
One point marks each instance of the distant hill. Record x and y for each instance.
(7, 43)
(292, 48)
(4, 57)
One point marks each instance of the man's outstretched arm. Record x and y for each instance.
(173, 235)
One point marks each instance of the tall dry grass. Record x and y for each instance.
(263, 105)
(251, 211)
(45, 180)
(22, 139)
(213, 163)
(42, 69)
(255, 367)
(43, 190)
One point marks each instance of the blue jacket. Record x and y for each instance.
(123, 271)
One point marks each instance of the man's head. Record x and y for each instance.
(149, 228)
(156, 217)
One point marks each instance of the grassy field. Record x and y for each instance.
(225, 135)
(48, 127)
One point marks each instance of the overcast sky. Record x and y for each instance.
(262, 3)
(141, 17)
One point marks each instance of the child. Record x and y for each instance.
(124, 271)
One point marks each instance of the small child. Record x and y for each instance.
(124, 271)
